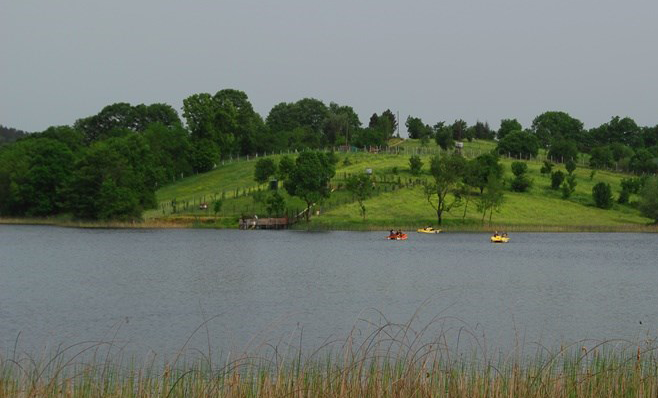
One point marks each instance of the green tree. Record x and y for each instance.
(478, 170)
(67, 135)
(601, 157)
(644, 162)
(483, 131)
(171, 149)
(415, 127)
(568, 187)
(649, 199)
(392, 122)
(570, 165)
(459, 128)
(443, 136)
(204, 155)
(447, 171)
(114, 179)
(521, 182)
(264, 169)
(547, 168)
(492, 198)
(340, 124)
(117, 118)
(286, 165)
(551, 126)
(602, 194)
(226, 118)
(309, 180)
(217, 206)
(276, 204)
(507, 126)
(34, 173)
(361, 187)
(618, 130)
(563, 150)
(557, 177)
(415, 165)
(518, 144)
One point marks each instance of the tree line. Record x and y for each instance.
(109, 165)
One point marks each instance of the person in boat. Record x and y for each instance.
(504, 234)
(495, 234)
(399, 233)
(391, 233)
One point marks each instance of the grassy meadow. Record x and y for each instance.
(398, 201)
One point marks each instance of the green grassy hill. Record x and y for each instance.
(398, 201)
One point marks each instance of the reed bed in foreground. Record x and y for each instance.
(373, 369)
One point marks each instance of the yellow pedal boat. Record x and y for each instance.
(499, 239)
(428, 231)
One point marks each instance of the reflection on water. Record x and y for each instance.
(150, 290)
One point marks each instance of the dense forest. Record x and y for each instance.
(108, 166)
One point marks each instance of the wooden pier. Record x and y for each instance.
(264, 223)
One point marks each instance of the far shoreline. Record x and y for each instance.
(210, 223)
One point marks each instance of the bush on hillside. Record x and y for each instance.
(602, 194)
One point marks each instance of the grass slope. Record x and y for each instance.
(538, 209)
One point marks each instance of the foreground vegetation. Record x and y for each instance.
(390, 363)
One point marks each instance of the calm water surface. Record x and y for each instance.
(150, 289)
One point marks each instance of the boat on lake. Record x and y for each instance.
(428, 230)
(500, 238)
(397, 236)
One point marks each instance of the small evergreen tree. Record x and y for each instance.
(602, 194)
(520, 183)
(649, 199)
(547, 168)
(568, 186)
(570, 165)
(415, 165)
(557, 177)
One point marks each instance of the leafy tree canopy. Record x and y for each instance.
(265, 168)
(33, 176)
(507, 126)
(649, 199)
(309, 179)
(553, 125)
(519, 144)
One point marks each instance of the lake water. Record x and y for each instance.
(148, 290)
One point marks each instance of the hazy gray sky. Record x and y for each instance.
(438, 60)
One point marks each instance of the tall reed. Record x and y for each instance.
(393, 360)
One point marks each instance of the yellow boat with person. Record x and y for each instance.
(428, 230)
(499, 238)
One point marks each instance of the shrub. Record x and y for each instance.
(415, 165)
(570, 165)
(632, 185)
(519, 168)
(649, 199)
(547, 168)
(602, 194)
(624, 195)
(568, 186)
(557, 177)
(521, 184)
